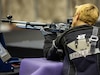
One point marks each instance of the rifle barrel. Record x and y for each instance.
(25, 22)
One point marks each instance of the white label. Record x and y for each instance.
(82, 36)
(83, 53)
(3, 51)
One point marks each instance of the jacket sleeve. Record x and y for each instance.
(55, 53)
(48, 43)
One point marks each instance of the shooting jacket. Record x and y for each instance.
(75, 46)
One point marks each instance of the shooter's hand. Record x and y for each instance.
(44, 32)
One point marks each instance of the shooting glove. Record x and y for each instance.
(45, 32)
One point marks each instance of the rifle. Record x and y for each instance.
(52, 27)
